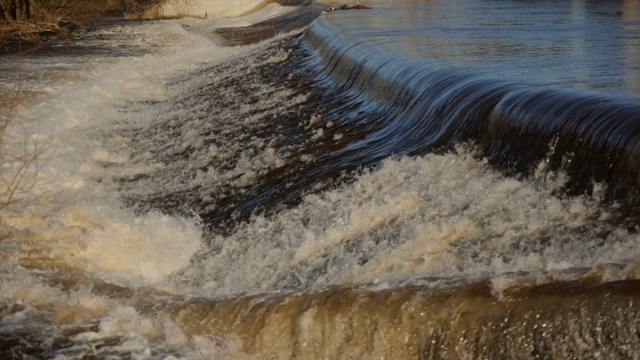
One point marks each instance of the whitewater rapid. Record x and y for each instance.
(181, 198)
(62, 161)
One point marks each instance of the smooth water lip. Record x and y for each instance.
(540, 43)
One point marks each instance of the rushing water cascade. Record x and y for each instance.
(593, 138)
(418, 180)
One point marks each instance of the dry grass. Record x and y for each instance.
(56, 17)
(40, 23)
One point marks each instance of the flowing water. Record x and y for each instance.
(418, 180)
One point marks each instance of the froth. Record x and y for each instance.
(439, 216)
(70, 250)
(77, 221)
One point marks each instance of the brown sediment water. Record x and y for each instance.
(557, 320)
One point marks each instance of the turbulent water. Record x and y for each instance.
(418, 180)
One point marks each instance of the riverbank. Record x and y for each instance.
(27, 24)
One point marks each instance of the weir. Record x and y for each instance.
(171, 9)
(428, 108)
(560, 320)
(305, 13)
(168, 9)
(244, 203)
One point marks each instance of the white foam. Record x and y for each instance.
(200, 8)
(432, 216)
(66, 158)
(69, 153)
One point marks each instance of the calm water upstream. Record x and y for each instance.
(577, 44)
